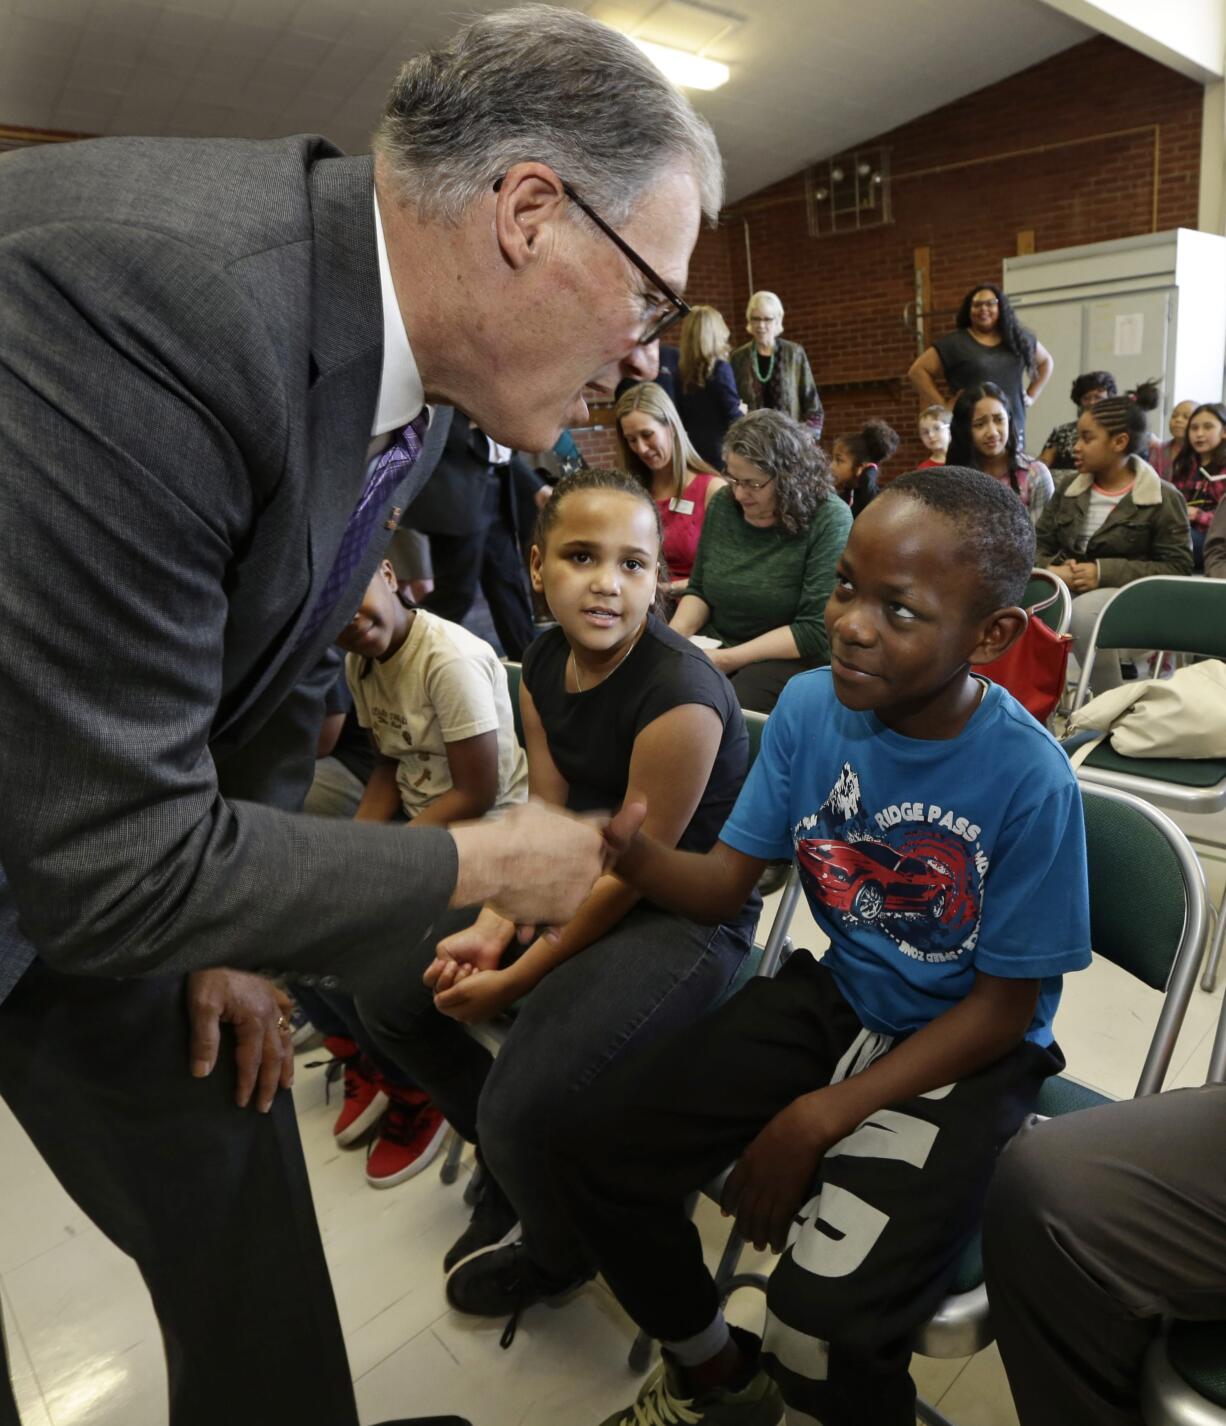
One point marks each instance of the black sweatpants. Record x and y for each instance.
(872, 1253)
(212, 1201)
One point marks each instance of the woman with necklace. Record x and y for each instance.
(988, 343)
(772, 374)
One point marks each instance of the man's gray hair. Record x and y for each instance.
(546, 85)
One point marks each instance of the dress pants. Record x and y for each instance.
(490, 558)
(1099, 1224)
(212, 1201)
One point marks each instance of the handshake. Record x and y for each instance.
(536, 864)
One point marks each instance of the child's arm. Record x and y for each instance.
(775, 1174)
(474, 783)
(673, 757)
(381, 800)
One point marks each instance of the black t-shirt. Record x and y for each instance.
(967, 362)
(355, 748)
(591, 734)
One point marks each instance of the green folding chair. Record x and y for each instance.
(1148, 914)
(1174, 614)
(1183, 1382)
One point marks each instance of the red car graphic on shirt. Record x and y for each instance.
(870, 879)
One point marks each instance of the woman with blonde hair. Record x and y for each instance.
(657, 452)
(707, 398)
(772, 374)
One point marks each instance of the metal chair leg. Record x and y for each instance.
(450, 1170)
(1209, 979)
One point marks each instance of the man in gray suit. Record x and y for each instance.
(215, 359)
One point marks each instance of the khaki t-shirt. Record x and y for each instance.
(442, 685)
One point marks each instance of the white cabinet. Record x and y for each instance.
(1153, 306)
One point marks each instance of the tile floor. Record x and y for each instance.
(84, 1341)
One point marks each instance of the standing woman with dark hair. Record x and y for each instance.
(1089, 389)
(984, 437)
(707, 399)
(1199, 473)
(988, 343)
(765, 564)
(1112, 520)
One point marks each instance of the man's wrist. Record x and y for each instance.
(479, 861)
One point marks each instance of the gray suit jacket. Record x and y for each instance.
(191, 343)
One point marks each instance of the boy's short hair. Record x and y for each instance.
(936, 413)
(991, 523)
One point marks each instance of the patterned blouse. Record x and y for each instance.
(789, 386)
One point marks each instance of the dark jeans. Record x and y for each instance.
(490, 557)
(650, 974)
(1098, 1225)
(758, 685)
(211, 1201)
(870, 1258)
(333, 1013)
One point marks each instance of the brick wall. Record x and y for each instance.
(845, 295)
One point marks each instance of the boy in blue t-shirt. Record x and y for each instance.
(938, 831)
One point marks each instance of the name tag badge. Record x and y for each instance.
(681, 507)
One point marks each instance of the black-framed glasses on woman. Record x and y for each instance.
(674, 307)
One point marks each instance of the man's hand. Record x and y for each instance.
(534, 865)
(775, 1175)
(259, 1013)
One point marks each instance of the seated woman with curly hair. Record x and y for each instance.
(765, 563)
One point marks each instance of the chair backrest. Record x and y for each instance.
(754, 724)
(1147, 907)
(1047, 597)
(515, 674)
(1182, 614)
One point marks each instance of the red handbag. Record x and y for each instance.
(1034, 669)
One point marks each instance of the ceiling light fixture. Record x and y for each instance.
(689, 71)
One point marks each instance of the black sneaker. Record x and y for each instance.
(493, 1224)
(501, 1283)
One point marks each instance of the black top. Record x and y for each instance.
(707, 411)
(967, 362)
(591, 735)
(355, 748)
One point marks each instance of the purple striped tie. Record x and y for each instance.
(387, 470)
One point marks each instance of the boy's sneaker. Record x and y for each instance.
(410, 1134)
(665, 1397)
(364, 1100)
(501, 1283)
(494, 1223)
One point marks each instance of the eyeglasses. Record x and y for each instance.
(679, 307)
(735, 484)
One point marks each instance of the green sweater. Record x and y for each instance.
(756, 580)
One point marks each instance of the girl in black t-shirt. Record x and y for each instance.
(614, 705)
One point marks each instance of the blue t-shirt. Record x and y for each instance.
(923, 861)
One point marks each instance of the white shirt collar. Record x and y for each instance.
(401, 394)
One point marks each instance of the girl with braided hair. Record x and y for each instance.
(1112, 520)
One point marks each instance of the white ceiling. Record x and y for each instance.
(809, 77)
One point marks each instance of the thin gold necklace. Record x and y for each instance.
(574, 663)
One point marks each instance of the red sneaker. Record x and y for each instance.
(364, 1100)
(411, 1133)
